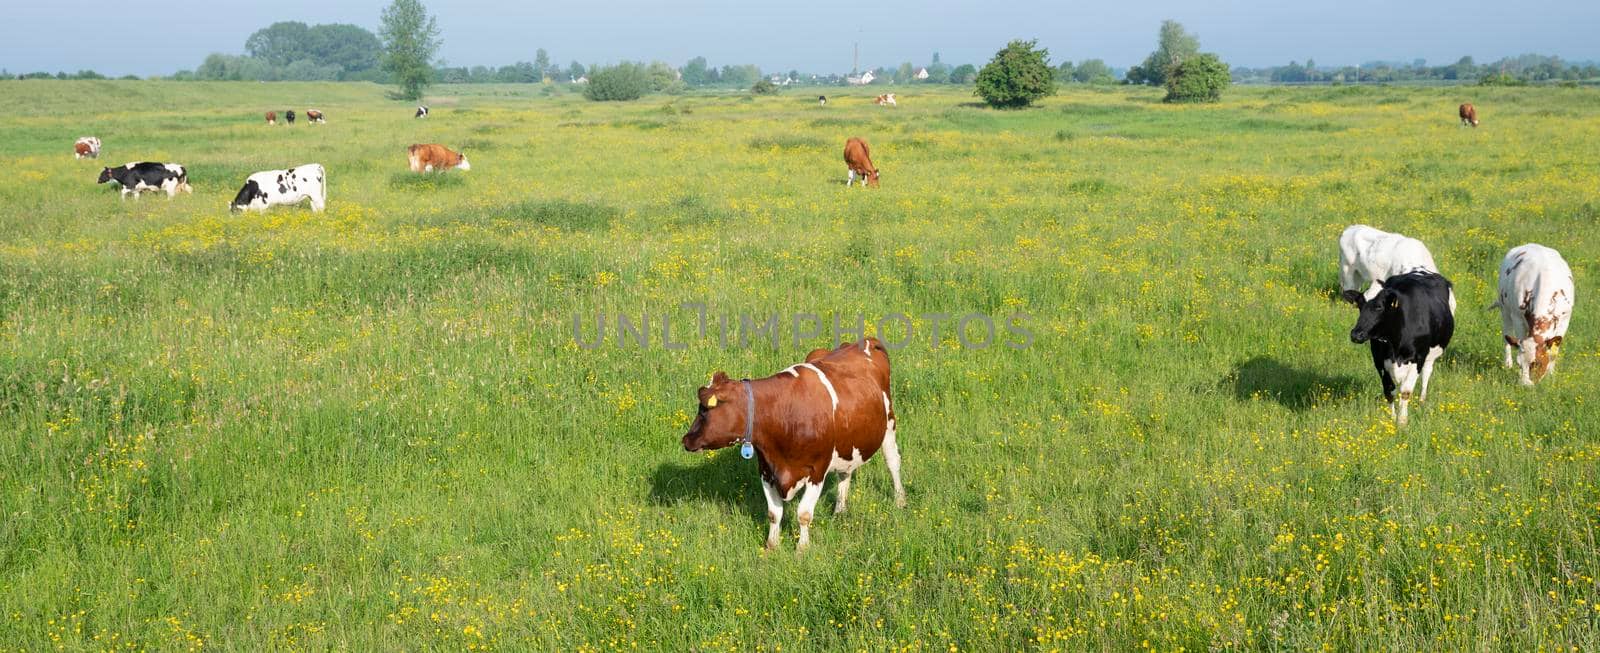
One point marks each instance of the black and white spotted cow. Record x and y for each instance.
(136, 178)
(1409, 322)
(283, 187)
(422, 112)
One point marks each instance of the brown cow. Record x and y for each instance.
(1469, 114)
(272, 117)
(828, 414)
(428, 157)
(315, 116)
(87, 147)
(858, 158)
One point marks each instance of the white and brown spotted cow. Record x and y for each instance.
(87, 147)
(1535, 302)
(829, 414)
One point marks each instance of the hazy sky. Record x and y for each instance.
(161, 38)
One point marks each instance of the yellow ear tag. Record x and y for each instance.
(712, 402)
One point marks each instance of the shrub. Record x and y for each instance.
(1018, 75)
(764, 87)
(1200, 78)
(624, 81)
(1501, 79)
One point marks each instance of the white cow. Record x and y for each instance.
(1367, 256)
(1535, 302)
(87, 147)
(277, 187)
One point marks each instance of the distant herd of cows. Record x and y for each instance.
(833, 412)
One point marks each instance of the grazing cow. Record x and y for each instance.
(1535, 302)
(135, 178)
(315, 116)
(1469, 114)
(272, 117)
(288, 116)
(828, 414)
(422, 112)
(428, 157)
(1368, 256)
(858, 158)
(822, 100)
(283, 187)
(87, 147)
(886, 100)
(1409, 322)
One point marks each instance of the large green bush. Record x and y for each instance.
(1018, 75)
(624, 81)
(1200, 78)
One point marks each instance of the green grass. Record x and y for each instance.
(371, 428)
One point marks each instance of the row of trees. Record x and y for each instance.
(1020, 74)
(1525, 68)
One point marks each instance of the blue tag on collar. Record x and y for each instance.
(747, 450)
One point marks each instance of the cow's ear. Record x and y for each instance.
(719, 377)
(1352, 296)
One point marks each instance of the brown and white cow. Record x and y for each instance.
(272, 117)
(1469, 114)
(885, 100)
(829, 414)
(428, 157)
(87, 147)
(315, 116)
(858, 158)
(1535, 301)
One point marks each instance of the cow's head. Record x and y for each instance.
(464, 165)
(719, 421)
(249, 197)
(872, 178)
(1383, 309)
(105, 175)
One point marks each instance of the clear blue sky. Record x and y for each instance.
(161, 38)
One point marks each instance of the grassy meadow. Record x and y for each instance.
(373, 429)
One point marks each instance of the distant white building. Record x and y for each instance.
(922, 73)
(582, 79)
(864, 79)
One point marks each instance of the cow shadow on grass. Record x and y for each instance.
(1293, 388)
(725, 479)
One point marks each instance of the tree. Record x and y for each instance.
(541, 63)
(1018, 75)
(764, 87)
(1093, 71)
(351, 48)
(905, 74)
(661, 75)
(694, 72)
(410, 37)
(1199, 78)
(574, 71)
(1172, 47)
(624, 81)
(280, 43)
(964, 74)
(1064, 72)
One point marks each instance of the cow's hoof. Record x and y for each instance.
(900, 501)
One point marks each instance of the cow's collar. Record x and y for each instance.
(747, 446)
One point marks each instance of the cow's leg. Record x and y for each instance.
(808, 504)
(774, 513)
(1427, 371)
(1405, 376)
(891, 457)
(1510, 361)
(843, 492)
(850, 179)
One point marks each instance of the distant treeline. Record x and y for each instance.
(82, 74)
(1527, 68)
(294, 51)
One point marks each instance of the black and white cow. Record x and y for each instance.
(422, 112)
(288, 116)
(281, 187)
(1409, 322)
(822, 100)
(135, 178)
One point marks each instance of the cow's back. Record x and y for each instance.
(1536, 293)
